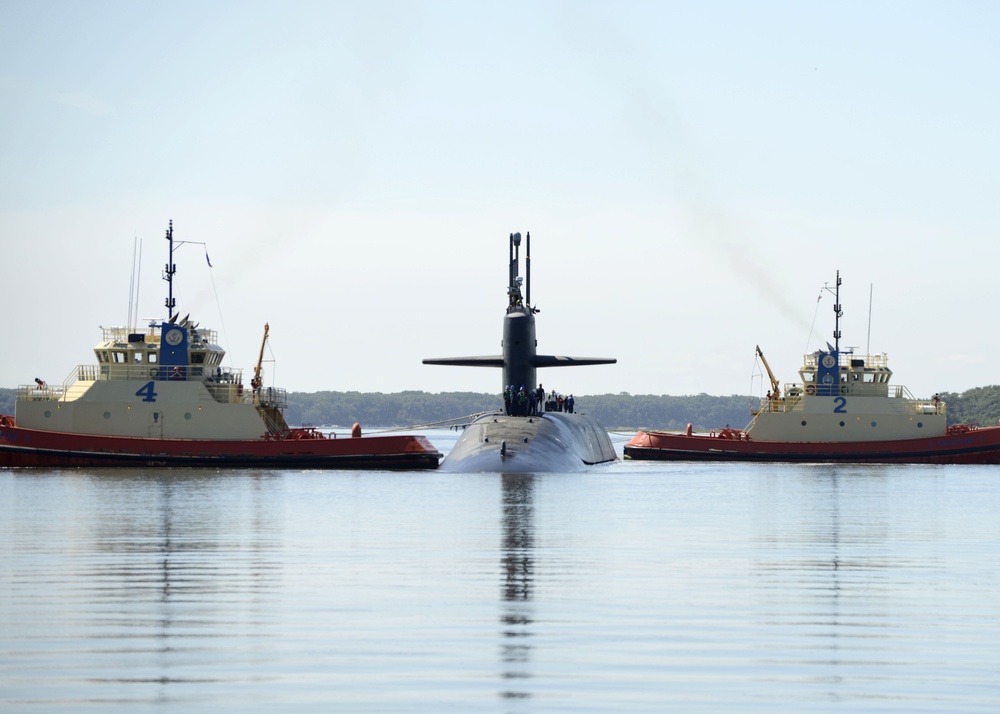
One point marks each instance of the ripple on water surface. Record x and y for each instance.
(638, 587)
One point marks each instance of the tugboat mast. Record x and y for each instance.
(838, 314)
(170, 269)
(168, 274)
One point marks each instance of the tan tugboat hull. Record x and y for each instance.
(843, 409)
(160, 395)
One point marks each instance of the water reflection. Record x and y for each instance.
(688, 588)
(835, 569)
(171, 552)
(518, 572)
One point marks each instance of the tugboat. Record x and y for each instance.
(546, 441)
(160, 396)
(842, 410)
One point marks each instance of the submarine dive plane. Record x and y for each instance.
(547, 441)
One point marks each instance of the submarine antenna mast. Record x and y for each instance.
(516, 301)
(168, 273)
(527, 271)
(513, 262)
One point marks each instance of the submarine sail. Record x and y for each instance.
(546, 441)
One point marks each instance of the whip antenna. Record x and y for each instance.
(868, 347)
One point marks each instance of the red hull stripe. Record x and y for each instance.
(979, 446)
(28, 447)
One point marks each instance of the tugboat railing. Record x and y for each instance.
(37, 393)
(795, 395)
(225, 385)
(273, 397)
(847, 359)
(150, 335)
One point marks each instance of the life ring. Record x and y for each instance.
(176, 373)
(811, 389)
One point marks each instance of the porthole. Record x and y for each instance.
(873, 425)
(841, 423)
(107, 415)
(48, 414)
(920, 425)
(187, 415)
(803, 422)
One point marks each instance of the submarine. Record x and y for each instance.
(549, 441)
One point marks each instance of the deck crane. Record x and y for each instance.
(256, 381)
(775, 385)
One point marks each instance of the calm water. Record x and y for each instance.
(634, 587)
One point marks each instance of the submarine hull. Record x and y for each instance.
(555, 441)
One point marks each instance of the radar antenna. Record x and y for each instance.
(170, 269)
(837, 311)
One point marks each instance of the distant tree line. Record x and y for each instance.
(7, 400)
(980, 405)
(615, 411)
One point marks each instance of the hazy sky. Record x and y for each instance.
(691, 174)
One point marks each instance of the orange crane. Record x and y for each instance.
(256, 381)
(775, 385)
